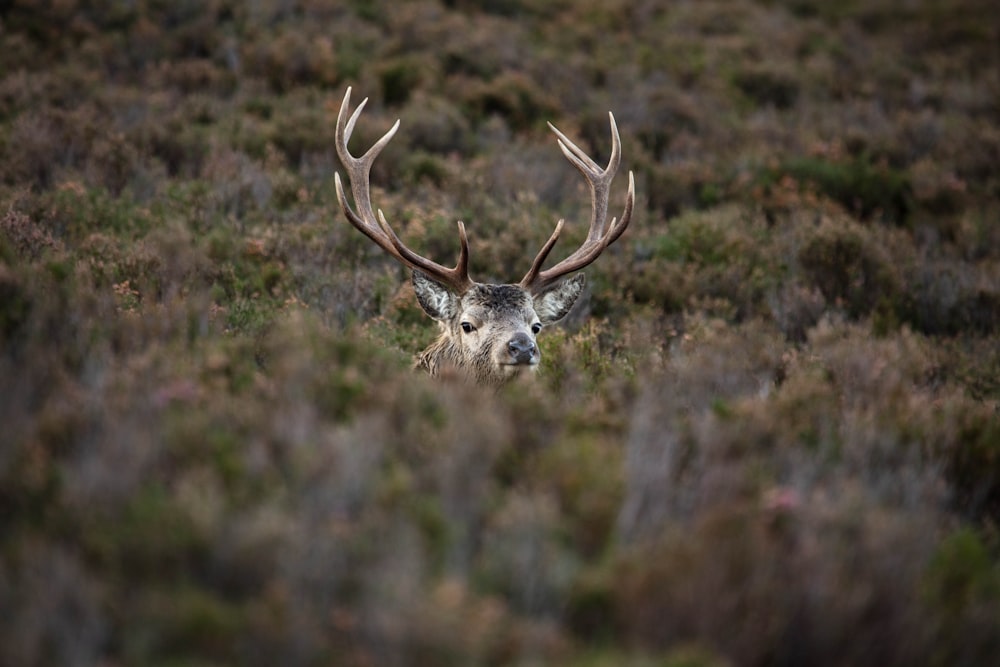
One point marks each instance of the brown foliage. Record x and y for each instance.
(767, 436)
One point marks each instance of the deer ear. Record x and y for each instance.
(555, 302)
(437, 300)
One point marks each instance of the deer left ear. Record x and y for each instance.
(555, 302)
(437, 300)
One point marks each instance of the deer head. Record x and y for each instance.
(488, 330)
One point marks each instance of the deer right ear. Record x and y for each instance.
(437, 300)
(556, 301)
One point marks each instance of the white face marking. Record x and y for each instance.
(490, 330)
(499, 331)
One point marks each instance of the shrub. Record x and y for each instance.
(946, 301)
(861, 186)
(962, 588)
(841, 260)
(399, 77)
(511, 96)
(436, 125)
(767, 435)
(767, 87)
(302, 129)
(294, 57)
(28, 240)
(693, 586)
(970, 454)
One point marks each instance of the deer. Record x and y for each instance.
(488, 331)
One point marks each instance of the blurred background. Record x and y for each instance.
(769, 435)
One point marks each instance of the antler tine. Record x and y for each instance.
(600, 235)
(359, 172)
(599, 179)
(457, 277)
(375, 226)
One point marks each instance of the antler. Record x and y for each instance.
(375, 227)
(600, 235)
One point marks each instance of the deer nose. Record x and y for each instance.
(522, 349)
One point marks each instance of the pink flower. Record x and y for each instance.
(179, 391)
(782, 499)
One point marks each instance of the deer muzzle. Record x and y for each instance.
(522, 350)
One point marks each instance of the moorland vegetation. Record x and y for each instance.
(769, 436)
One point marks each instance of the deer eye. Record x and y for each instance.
(467, 327)
(536, 327)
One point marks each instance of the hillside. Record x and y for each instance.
(770, 434)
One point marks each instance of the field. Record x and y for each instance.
(769, 434)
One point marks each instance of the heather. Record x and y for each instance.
(770, 434)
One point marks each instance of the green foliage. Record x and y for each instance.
(399, 77)
(962, 573)
(151, 536)
(861, 186)
(702, 239)
(767, 87)
(844, 264)
(962, 587)
(974, 464)
(16, 304)
(514, 98)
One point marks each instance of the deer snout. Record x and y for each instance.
(522, 349)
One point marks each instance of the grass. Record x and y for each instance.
(767, 436)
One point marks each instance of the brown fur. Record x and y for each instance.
(488, 332)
